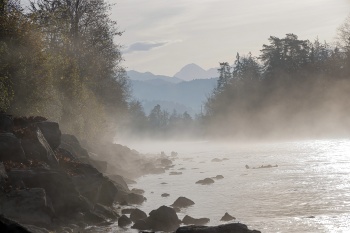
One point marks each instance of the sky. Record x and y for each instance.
(162, 36)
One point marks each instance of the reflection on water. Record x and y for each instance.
(309, 191)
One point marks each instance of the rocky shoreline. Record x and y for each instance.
(51, 182)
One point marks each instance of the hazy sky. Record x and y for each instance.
(161, 36)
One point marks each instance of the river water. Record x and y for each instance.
(309, 191)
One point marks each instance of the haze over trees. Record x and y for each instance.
(58, 59)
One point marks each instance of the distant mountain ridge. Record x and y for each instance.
(188, 93)
(193, 71)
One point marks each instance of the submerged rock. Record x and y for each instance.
(227, 228)
(205, 181)
(182, 202)
(216, 160)
(227, 217)
(175, 173)
(218, 177)
(188, 220)
(165, 195)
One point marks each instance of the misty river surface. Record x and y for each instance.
(309, 191)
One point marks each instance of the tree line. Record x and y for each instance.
(58, 59)
(294, 87)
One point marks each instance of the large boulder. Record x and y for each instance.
(58, 187)
(228, 228)
(27, 206)
(51, 132)
(188, 220)
(10, 148)
(163, 219)
(137, 214)
(182, 202)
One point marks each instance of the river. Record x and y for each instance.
(309, 191)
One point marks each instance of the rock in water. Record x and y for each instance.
(205, 181)
(188, 220)
(165, 195)
(227, 228)
(163, 219)
(123, 221)
(137, 214)
(227, 217)
(182, 202)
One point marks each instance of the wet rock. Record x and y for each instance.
(216, 160)
(11, 148)
(182, 202)
(141, 224)
(188, 220)
(177, 209)
(137, 214)
(51, 132)
(163, 219)
(227, 228)
(227, 217)
(165, 195)
(28, 206)
(138, 191)
(124, 221)
(175, 173)
(206, 181)
(246, 166)
(163, 183)
(165, 162)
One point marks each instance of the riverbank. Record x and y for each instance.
(51, 182)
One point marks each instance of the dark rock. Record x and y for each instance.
(10, 148)
(227, 228)
(127, 211)
(205, 181)
(218, 177)
(28, 206)
(182, 202)
(101, 166)
(105, 211)
(3, 174)
(246, 166)
(165, 195)
(141, 224)
(227, 217)
(58, 186)
(164, 183)
(137, 214)
(7, 225)
(72, 144)
(138, 191)
(6, 122)
(187, 220)
(51, 132)
(135, 199)
(163, 219)
(124, 221)
(120, 180)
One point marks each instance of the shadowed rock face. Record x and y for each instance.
(228, 228)
(137, 214)
(123, 221)
(182, 202)
(7, 225)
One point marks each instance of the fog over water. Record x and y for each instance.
(309, 191)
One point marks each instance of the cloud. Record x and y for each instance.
(144, 46)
